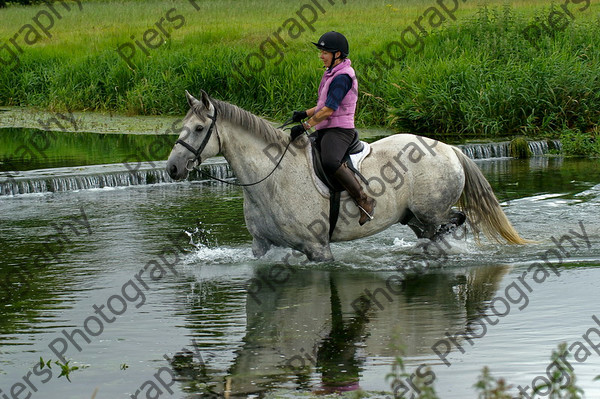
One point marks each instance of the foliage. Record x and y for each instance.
(65, 369)
(556, 389)
(398, 376)
(519, 148)
(489, 388)
(477, 75)
(576, 143)
(499, 83)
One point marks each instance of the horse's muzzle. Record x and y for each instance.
(175, 172)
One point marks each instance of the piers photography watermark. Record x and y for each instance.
(15, 285)
(132, 294)
(272, 48)
(38, 30)
(34, 148)
(557, 21)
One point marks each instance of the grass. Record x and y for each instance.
(576, 143)
(476, 76)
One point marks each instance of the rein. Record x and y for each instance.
(204, 143)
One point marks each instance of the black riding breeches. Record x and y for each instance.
(333, 144)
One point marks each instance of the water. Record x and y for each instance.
(101, 176)
(280, 324)
(502, 149)
(27, 149)
(33, 161)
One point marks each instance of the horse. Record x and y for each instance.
(415, 180)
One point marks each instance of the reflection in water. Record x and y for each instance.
(337, 359)
(326, 327)
(518, 178)
(319, 328)
(26, 149)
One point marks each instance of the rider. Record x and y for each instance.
(333, 117)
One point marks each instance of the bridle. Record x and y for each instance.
(204, 143)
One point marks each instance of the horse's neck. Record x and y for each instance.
(251, 155)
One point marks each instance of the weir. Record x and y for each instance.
(501, 149)
(119, 175)
(100, 176)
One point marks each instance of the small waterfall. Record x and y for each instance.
(123, 175)
(502, 149)
(100, 176)
(486, 150)
(544, 146)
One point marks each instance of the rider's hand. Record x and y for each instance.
(297, 131)
(299, 115)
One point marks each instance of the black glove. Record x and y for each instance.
(299, 115)
(297, 131)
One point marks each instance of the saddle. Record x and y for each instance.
(357, 151)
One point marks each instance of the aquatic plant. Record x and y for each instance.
(557, 388)
(519, 148)
(65, 368)
(488, 387)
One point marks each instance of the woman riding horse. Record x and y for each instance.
(333, 118)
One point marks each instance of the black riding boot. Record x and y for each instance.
(346, 178)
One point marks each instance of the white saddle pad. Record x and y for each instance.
(358, 157)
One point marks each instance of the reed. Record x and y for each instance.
(476, 76)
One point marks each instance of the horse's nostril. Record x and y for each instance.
(173, 170)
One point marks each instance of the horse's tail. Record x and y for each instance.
(481, 207)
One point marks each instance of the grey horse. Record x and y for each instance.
(415, 180)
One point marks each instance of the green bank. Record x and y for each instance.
(451, 69)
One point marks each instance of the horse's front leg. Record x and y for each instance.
(260, 246)
(317, 252)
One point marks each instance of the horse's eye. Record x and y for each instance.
(199, 128)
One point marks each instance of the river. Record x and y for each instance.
(150, 288)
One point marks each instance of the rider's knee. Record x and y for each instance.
(331, 166)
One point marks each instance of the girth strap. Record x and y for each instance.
(334, 210)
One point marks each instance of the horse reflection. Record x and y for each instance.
(294, 340)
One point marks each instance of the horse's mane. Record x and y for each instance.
(251, 122)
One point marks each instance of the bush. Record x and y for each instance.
(576, 143)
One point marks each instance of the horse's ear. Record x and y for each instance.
(205, 99)
(192, 101)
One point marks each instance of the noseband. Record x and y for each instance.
(198, 152)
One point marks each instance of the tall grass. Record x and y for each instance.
(489, 80)
(475, 76)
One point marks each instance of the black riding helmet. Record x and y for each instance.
(333, 42)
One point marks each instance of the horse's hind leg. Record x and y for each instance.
(420, 228)
(432, 228)
(456, 219)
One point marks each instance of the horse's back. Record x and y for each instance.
(416, 155)
(408, 173)
(432, 176)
